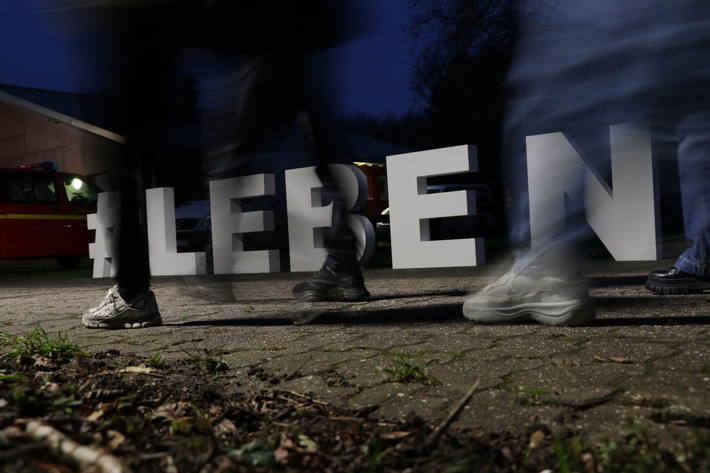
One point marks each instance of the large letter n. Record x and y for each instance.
(623, 215)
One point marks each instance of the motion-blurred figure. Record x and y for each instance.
(140, 41)
(134, 44)
(581, 66)
(282, 79)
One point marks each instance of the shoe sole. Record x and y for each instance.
(153, 321)
(689, 287)
(562, 314)
(334, 295)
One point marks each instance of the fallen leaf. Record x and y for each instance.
(96, 415)
(613, 359)
(396, 435)
(116, 439)
(281, 456)
(51, 388)
(137, 369)
(225, 427)
(537, 438)
(307, 443)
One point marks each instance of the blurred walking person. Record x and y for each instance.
(581, 66)
(131, 46)
(284, 79)
(138, 41)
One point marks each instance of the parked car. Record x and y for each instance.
(193, 225)
(467, 226)
(43, 213)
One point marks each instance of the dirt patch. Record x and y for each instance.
(179, 417)
(114, 412)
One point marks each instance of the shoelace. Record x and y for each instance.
(504, 279)
(109, 301)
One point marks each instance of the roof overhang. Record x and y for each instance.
(61, 118)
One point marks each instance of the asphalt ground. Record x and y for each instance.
(645, 358)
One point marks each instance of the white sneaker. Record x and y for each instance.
(114, 312)
(518, 297)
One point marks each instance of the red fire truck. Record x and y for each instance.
(43, 213)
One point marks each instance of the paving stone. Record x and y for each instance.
(646, 357)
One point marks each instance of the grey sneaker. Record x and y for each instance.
(114, 312)
(518, 297)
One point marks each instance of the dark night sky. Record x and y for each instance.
(375, 78)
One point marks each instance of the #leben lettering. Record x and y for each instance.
(626, 215)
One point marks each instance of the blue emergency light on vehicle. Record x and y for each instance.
(41, 166)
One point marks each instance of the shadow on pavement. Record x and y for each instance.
(652, 321)
(613, 281)
(392, 297)
(385, 297)
(429, 314)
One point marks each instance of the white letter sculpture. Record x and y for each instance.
(103, 221)
(623, 216)
(229, 223)
(411, 208)
(162, 240)
(308, 217)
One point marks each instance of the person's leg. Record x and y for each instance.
(686, 100)
(277, 87)
(144, 41)
(694, 166)
(691, 271)
(268, 95)
(340, 277)
(562, 80)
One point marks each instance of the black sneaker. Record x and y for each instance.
(331, 284)
(675, 281)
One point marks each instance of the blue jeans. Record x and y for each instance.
(596, 63)
(694, 166)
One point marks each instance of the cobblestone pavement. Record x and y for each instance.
(646, 357)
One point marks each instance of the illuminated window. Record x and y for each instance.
(80, 192)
